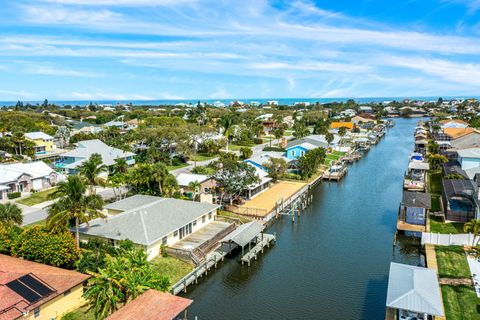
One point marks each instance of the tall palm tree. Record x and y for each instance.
(473, 226)
(195, 186)
(10, 213)
(121, 165)
(73, 204)
(226, 123)
(91, 169)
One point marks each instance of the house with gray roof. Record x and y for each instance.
(299, 147)
(72, 159)
(414, 208)
(150, 222)
(413, 292)
(459, 197)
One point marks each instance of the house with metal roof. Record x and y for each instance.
(459, 199)
(150, 222)
(72, 159)
(413, 292)
(43, 142)
(31, 290)
(206, 184)
(299, 147)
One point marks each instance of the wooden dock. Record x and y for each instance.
(265, 241)
(336, 175)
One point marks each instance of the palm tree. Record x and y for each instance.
(169, 185)
(226, 123)
(73, 204)
(10, 213)
(329, 137)
(473, 226)
(91, 169)
(436, 161)
(121, 165)
(195, 186)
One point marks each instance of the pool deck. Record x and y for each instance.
(267, 200)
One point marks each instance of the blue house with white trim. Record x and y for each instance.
(300, 147)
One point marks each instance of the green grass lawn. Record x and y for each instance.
(170, 168)
(338, 153)
(203, 157)
(233, 215)
(80, 314)
(435, 202)
(438, 226)
(452, 262)
(460, 303)
(37, 197)
(435, 182)
(171, 267)
(40, 223)
(234, 147)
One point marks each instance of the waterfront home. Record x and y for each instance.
(72, 159)
(43, 142)
(415, 176)
(264, 157)
(470, 140)
(206, 183)
(338, 125)
(363, 118)
(392, 112)
(255, 189)
(365, 109)
(299, 147)
(26, 177)
(150, 222)
(413, 293)
(31, 290)
(455, 133)
(453, 167)
(459, 199)
(414, 210)
(153, 305)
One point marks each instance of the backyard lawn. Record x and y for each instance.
(229, 214)
(170, 168)
(438, 226)
(452, 262)
(460, 302)
(203, 157)
(37, 197)
(435, 182)
(171, 267)
(435, 202)
(80, 314)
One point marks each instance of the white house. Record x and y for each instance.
(25, 177)
(150, 222)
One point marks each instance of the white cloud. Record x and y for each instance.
(13, 94)
(122, 2)
(60, 15)
(106, 96)
(52, 70)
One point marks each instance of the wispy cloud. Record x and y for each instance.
(99, 95)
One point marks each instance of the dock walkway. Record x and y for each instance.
(259, 247)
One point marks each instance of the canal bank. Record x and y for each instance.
(333, 262)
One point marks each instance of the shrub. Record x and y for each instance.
(13, 195)
(37, 244)
(276, 149)
(8, 234)
(257, 141)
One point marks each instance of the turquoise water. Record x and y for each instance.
(333, 262)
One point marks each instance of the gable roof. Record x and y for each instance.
(12, 305)
(414, 289)
(416, 199)
(86, 148)
(38, 135)
(469, 153)
(147, 223)
(184, 179)
(244, 233)
(312, 141)
(36, 169)
(152, 305)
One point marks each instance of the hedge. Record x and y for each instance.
(13, 195)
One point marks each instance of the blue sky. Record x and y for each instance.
(201, 49)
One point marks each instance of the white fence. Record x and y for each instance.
(448, 239)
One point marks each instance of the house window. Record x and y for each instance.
(175, 233)
(302, 153)
(164, 240)
(36, 312)
(203, 218)
(194, 223)
(206, 190)
(293, 153)
(210, 216)
(66, 293)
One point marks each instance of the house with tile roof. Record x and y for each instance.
(153, 305)
(31, 290)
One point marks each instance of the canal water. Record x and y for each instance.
(333, 262)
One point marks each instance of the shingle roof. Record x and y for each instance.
(184, 179)
(88, 147)
(132, 202)
(13, 268)
(152, 305)
(11, 172)
(148, 223)
(416, 199)
(414, 289)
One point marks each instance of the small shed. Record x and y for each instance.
(414, 291)
(414, 207)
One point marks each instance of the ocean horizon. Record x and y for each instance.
(281, 101)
